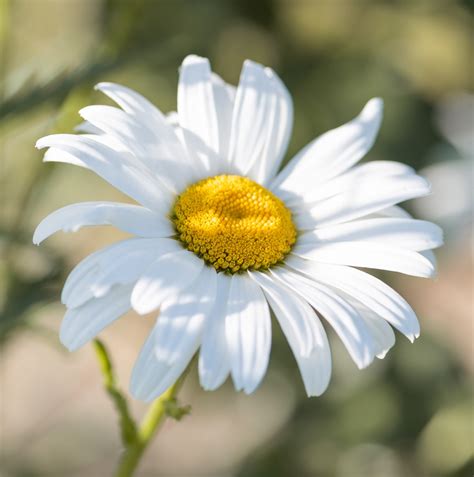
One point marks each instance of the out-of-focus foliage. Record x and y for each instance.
(409, 415)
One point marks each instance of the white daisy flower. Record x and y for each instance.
(221, 237)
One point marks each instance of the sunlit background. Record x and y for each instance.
(409, 415)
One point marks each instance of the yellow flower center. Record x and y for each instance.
(233, 223)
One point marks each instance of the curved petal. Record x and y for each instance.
(129, 218)
(248, 333)
(367, 197)
(112, 166)
(151, 378)
(261, 123)
(368, 255)
(409, 234)
(87, 128)
(224, 97)
(120, 263)
(373, 170)
(132, 102)
(205, 160)
(394, 211)
(139, 107)
(214, 363)
(166, 276)
(82, 324)
(182, 317)
(145, 142)
(367, 289)
(196, 105)
(345, 320)
(175, 338)
(332, 153)
(383, 337)
(301, 326)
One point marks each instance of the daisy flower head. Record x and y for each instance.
(221, 235)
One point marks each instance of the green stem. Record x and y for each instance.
(127, 424)
(148, 428)
(136, 440)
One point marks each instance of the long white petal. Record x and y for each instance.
(373, 170)
(368, 255)
(224, 97)
(145, 143)
(132, 102)
(214, 363)
(367, 197)
(205, 160)
(345, 320)
(175, 338)
(129, 218)
(182, 317)
(143, 110)
(150, 377)
(333, 152)
(409, 234)
(112, 166)
(120, 263)
(369, 290)
(394, 211)
(383, 337)
(248, 333)
(166, 276)
(82, 324)
(139, 107)
(261, 123)
(300, 324)
(87, 128)
(196, 105)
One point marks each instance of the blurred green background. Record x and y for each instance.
(410, 415)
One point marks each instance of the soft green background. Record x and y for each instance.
(409, 415)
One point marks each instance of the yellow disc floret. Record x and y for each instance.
(233, 223)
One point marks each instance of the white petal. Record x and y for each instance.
(364, 198)
(82, 324)
(367, 289)
(248, 333)
(182, 317)
(394, 211)
(411, 234)
(142, 109)
(294, 323)
(112, 166)
(332, 153)
(383, 337)
(261, 123)
(368, 255)
(431, 257)
(300, 324)
(120, 263)
(87, 128)
(164, 160)
(175, 338)
(224, 96)
(132, 102)
(150, 377)
(373, 170)
(205, 160)
(196, 105)
(345, 320)
(214, 363)
(129, 218)
(166, 276)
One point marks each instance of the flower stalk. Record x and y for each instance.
(137, 438)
